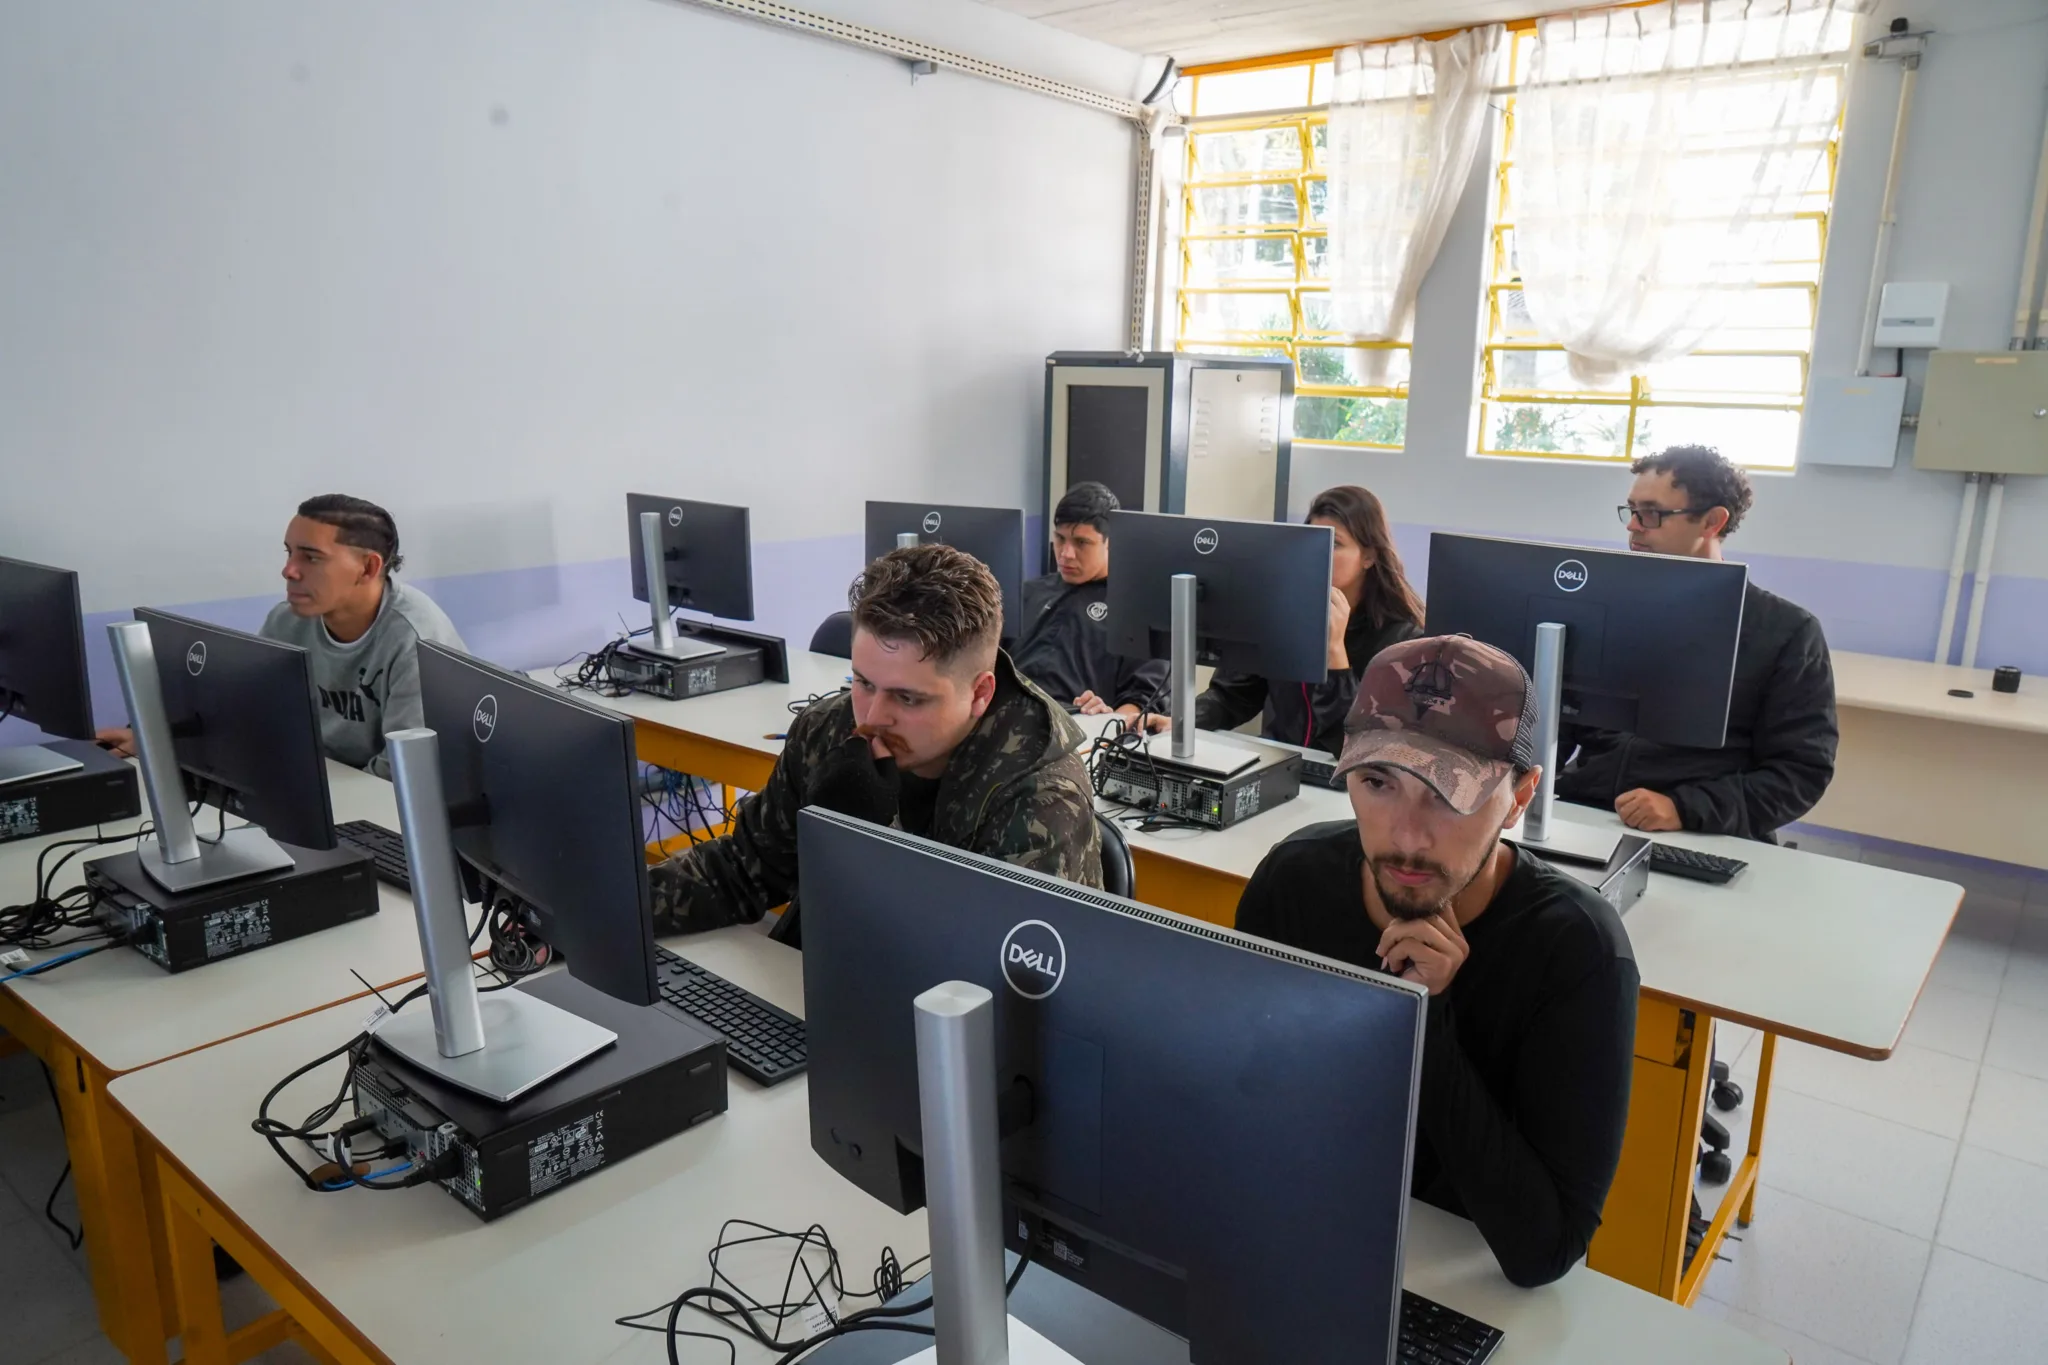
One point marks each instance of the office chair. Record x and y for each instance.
(1118, 876)
(834, 636)
(1715, 1163)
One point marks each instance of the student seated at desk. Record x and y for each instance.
(359, 626)
(1531, 1020)
(1063, 642)
(1779, 754)
(939, 736)
(1371, 607)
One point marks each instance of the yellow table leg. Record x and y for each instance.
(122, 1247)
(1643, 1224)
(1759, 1104)
(195, 1225)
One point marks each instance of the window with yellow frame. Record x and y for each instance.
(1255, 251)
(1742, 392)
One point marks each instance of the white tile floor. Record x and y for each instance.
(1903, 1218)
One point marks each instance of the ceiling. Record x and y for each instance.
(1198, 31)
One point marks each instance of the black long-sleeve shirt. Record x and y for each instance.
(1310, 714)
(1063, 646)
(1779, 754)
(1527, 1053)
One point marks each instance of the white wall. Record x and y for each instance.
(1968, 177)
(495, 262)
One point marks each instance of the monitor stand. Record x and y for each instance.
(956, 1086)
(665, 642)
(1181, 744)
(239, 853)
(498, 1047)
(25, 762)
(1572, 843)
(1539, 831)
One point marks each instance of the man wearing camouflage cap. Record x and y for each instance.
(1531, 1017)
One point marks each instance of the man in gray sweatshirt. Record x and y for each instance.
(358, 625)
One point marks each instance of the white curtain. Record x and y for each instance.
(1657, 152)
(1405, 120)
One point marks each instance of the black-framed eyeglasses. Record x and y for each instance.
(1653, 517)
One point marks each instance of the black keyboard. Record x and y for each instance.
(1432, 1334)
(1700, 867)
(386, 848)
(762, 1043)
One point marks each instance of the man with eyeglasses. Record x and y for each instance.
(1779, 754)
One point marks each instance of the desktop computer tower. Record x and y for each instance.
(101, 792)
(663, 1075)
(325, 887)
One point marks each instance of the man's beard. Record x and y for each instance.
(1420, 902)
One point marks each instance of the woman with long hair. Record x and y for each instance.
(1371, 607)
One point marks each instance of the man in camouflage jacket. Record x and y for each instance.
(988, 763)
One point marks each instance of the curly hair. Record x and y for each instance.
(362, 524)
(944, 599)
(1709, 478)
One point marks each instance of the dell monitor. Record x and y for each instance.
(244, 725)
(42, 666)
(542, 798)
(1612, 639)
(993, 535)
(1247, 596)
(693, 555)
(1207, 1130)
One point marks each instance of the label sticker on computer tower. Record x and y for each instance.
(569, 1151)
(236, 929)
(20, 818)
(1247, 801)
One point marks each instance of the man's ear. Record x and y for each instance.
(1714, 521)
(373, 565)
(984, 692)
(1524, 793)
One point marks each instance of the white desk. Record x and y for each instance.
(1968, 774)
(115, 1011)
(412, 1276)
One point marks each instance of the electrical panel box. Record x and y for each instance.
(1167, 432)
(1853, 421)
(1985, 412)
(1910, 316)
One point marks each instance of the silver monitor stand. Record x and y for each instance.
(1538, 831)
(1183, 744)
(956, 1087)
(176, 858)
(499, 1046)
(664, 642)
(25, 762)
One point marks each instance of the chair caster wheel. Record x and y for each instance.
(1715, 1168)
(1727, 1096)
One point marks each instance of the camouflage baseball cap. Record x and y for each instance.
(1458, 714)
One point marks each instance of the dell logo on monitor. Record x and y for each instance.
(1569, 576)
(484, 720)
(1206, 541)
(1034, 959)
(675, 516)
(931, 523)
(195, 658)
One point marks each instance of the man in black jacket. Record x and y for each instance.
(1063, 641)
(1528, 1053)
(1779, 754)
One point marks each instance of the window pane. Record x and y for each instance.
(1318, 314)
(1554, 429)
(1318, 200)
(1239, 206)
(1239, 315)
(1253, 151)
(1748, 436)
(1237, 352)
(1240, 260)
(1535, 373)
(1319, 141)
(1243, 92)
(1737, 378)
(1354, 367)
(1316, 256)
(1514, 322)
(1357, 421)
